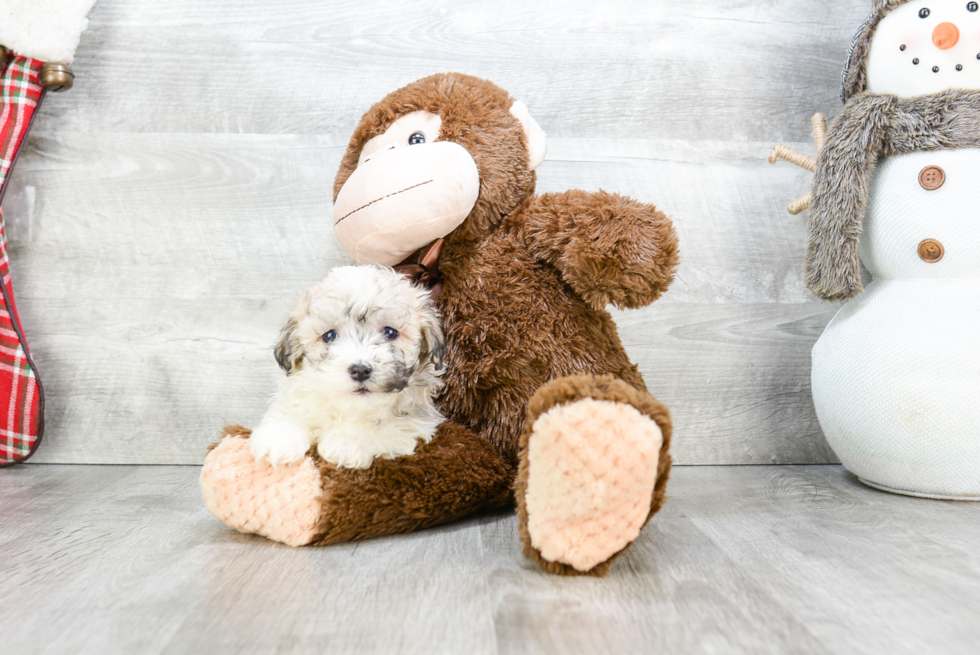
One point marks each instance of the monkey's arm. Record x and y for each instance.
(608, 248)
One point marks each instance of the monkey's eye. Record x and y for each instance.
(390, 333)
(972, 6)
(924, 13)
(416, 139)
(330, 336)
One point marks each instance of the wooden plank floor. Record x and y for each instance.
(125, 559)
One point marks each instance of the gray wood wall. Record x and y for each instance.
(182, 196)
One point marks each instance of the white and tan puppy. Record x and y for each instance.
(363, 354)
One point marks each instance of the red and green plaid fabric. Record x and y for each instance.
(21, 399)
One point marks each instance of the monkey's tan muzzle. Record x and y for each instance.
(402, 199)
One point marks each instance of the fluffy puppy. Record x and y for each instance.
(363, 354)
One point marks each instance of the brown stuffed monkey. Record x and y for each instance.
(543, 407)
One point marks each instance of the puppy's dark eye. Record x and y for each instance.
(971, 6)
(416, 139)
(924, 13)
(330, 336)
(390, 333)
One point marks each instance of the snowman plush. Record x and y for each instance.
(896, 374)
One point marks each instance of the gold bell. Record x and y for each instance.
(57, 77)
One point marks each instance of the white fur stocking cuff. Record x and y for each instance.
(47, 30)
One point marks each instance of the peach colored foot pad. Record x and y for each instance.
(592, 465)
(281, 503)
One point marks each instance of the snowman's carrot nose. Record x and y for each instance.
(945, 36)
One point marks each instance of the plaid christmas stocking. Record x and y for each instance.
(21, 397)
(37, 43)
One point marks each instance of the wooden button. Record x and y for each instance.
(932, 177)
(931, 251)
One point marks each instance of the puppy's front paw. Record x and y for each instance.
(345, 453)
(279, 442)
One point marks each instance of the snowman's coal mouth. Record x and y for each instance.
(936, 68)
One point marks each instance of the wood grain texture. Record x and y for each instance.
(741, 560)
(182, 197)
(717, 69)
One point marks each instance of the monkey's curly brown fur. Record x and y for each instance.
(527, 278)
(526, 282)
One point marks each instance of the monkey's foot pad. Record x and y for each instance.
(280, 503)
(592, 467)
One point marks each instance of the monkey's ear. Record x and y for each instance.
(289, 351)
(537, 140)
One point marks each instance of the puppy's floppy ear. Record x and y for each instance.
(433, 350)
(289, 351)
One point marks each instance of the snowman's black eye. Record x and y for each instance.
(916, 60)
(923, 13)
(902, 47)
(971, 6)
(416, 139)
(935, 69)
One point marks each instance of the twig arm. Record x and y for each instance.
(780, 151)
(795, 156)
(819, 123)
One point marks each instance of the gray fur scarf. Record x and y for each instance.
(871, 127)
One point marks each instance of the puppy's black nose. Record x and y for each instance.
(360, 372)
